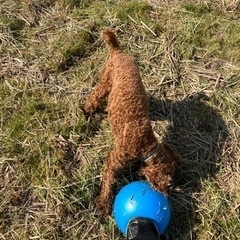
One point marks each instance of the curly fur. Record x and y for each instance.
(129, 120)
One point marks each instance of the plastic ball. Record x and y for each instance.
(138, 199)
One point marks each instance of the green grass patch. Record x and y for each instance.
(34, 114)
(202, 27)
(197, 10)
(77, 48)
(217, 214)
(14, 24)
(135, 9)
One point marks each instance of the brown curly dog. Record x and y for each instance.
(130, 124)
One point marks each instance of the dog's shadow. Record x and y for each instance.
(198, 133)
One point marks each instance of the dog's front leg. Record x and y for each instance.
(112, 166)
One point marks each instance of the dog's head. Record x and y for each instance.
(159, 170)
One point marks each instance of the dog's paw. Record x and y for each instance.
(87, 115)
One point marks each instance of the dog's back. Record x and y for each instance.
(128, 101)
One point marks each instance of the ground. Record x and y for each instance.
(51, 54)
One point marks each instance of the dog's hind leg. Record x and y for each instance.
(100, 91)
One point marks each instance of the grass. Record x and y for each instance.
(51, 157)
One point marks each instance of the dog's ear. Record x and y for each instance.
(156, 176)
(172, 152)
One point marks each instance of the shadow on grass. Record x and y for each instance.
(198, 133)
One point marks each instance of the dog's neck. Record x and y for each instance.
(151, 155)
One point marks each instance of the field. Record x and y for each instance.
(51, 53)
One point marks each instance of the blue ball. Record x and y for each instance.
(138, 199)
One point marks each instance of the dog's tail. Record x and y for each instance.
(111, 40)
